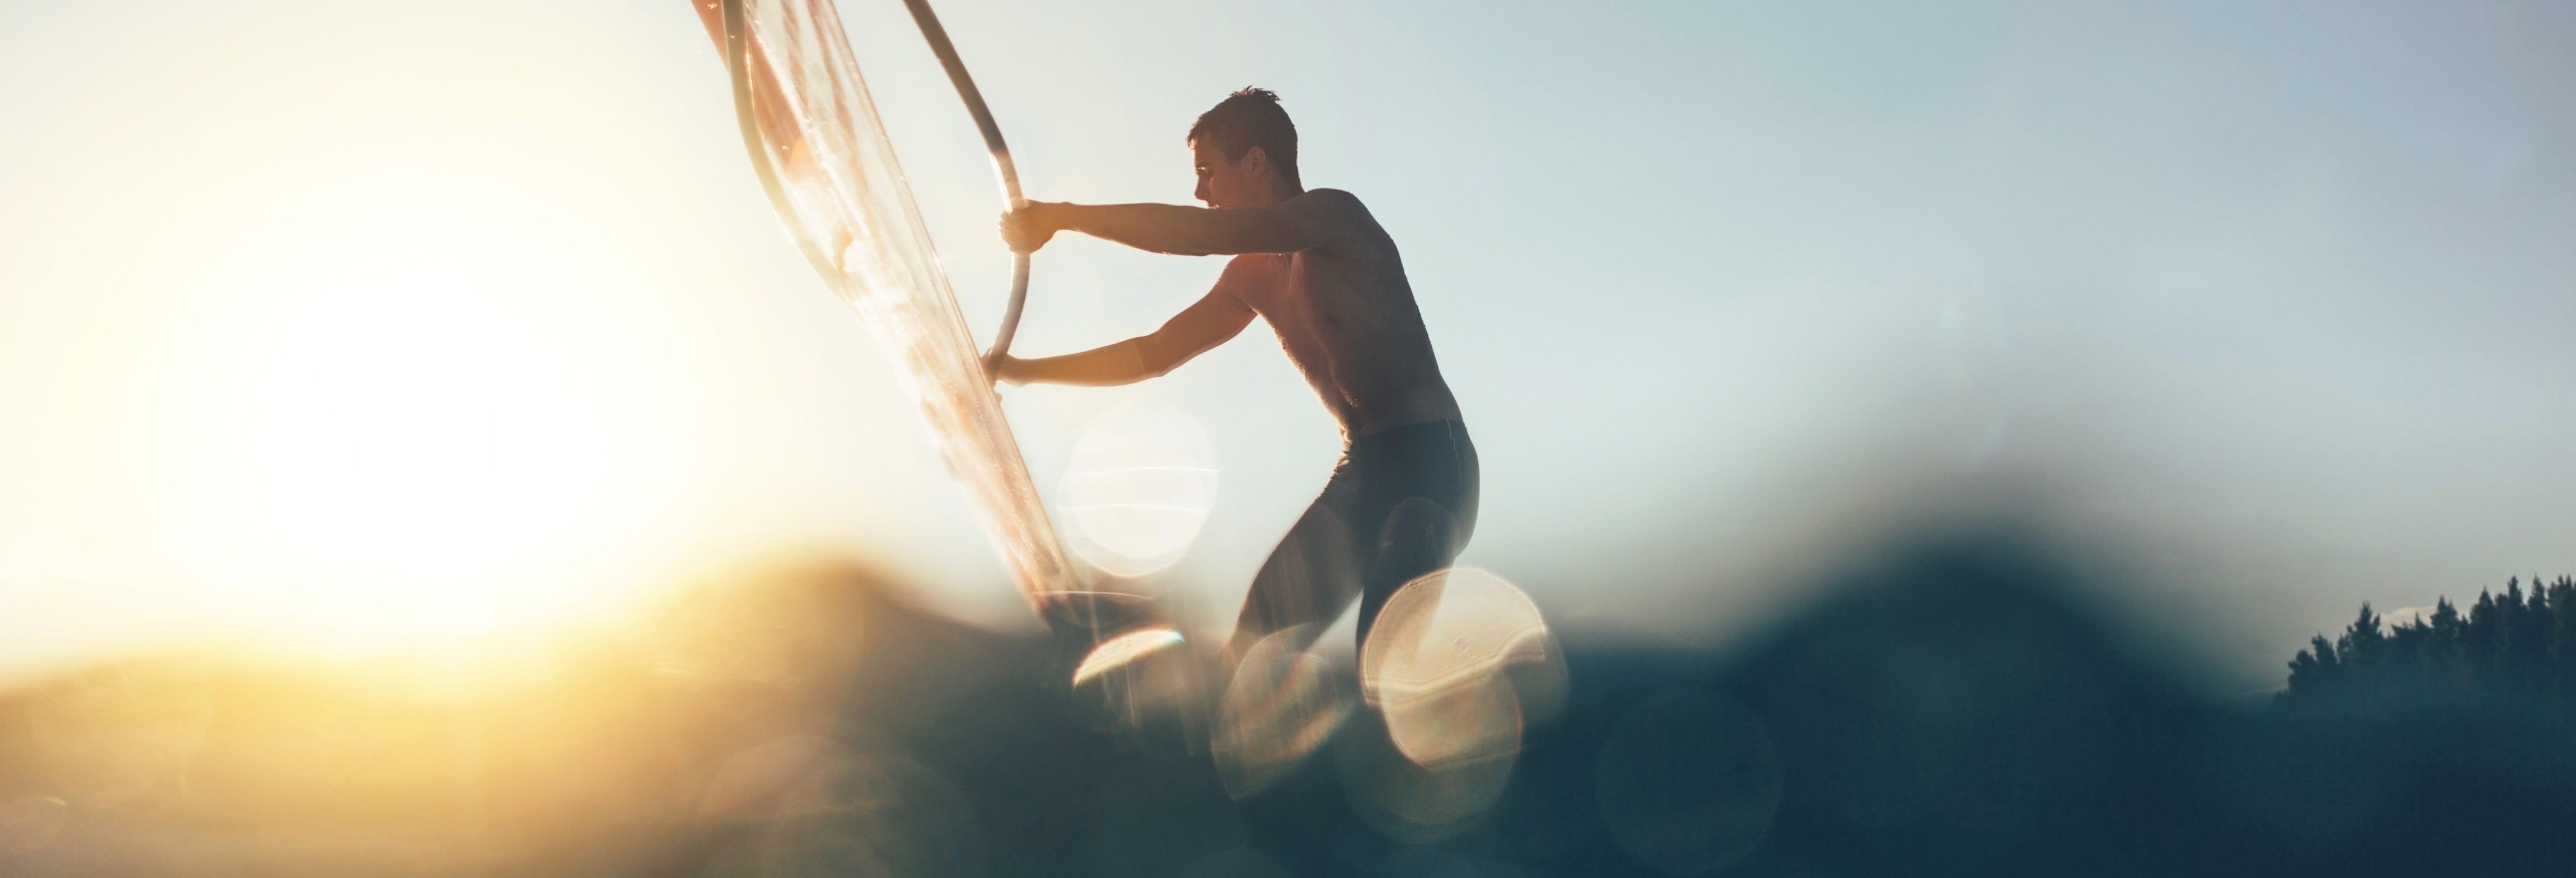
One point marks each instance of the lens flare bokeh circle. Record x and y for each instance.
(1284, 703)
(1438, 665)
(1140, 486)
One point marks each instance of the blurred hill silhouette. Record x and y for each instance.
(1956, 710)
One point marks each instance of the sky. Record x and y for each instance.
(372, 322)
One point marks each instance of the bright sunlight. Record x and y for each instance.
(406, 425)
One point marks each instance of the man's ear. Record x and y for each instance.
(1255, 162)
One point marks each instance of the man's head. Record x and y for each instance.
(1246, 151)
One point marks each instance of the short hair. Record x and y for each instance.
(1246, 119)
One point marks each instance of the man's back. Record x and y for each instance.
(1346, 316)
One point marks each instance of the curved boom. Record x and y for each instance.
(1002, 167)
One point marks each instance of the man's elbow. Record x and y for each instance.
(1154, 359)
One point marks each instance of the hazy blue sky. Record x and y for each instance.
(2265, 306)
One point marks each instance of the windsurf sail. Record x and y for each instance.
(830, 171)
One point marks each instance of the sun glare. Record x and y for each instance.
(406, 422)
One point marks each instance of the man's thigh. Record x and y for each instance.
(1419, 535)
(1419, 512)
(1310, 577)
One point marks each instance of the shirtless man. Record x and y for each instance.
(1316, 265)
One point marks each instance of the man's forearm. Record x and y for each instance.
(1121, 363)
(1161, 228)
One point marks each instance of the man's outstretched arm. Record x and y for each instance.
(1203, 325)
(1309, 220)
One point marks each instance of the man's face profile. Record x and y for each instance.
(1223, 183)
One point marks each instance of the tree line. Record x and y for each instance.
(2518, 639)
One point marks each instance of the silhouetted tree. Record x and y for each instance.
(2362, 645)
(2443, 649)
(2562, 640)
(2311, 670)
(2528, 633)
(2524, 640)
(2485, 632)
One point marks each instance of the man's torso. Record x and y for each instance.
(1346, 316)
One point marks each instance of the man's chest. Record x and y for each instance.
(1296, 287)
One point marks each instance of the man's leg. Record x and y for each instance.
(1425, 503)
(1310, 578)
(1420, 536)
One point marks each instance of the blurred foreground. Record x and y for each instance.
(1955, 711)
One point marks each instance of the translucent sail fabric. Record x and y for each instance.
(842, 193)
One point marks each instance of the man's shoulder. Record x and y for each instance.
(1344, 211)
(1334, 198)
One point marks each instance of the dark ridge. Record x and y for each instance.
(1957, 711)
